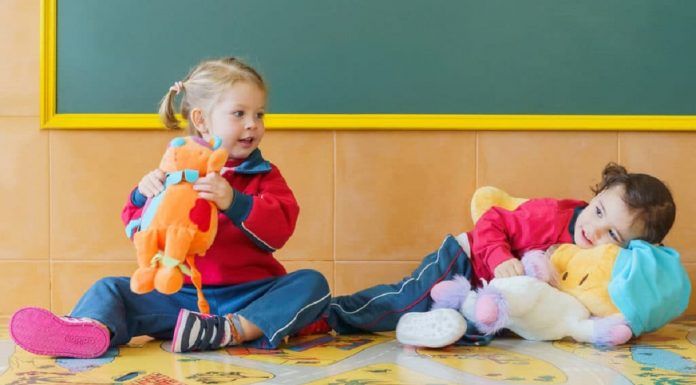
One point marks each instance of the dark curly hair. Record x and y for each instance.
(646, 195)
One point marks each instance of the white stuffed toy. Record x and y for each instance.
(531, 308)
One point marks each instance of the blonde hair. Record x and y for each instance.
(203, 86)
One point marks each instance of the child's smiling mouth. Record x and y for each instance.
(247, 141)
(584, 236)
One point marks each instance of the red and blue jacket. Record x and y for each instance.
(260, 220)
(537, 224)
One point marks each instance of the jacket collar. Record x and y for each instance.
(571, 225)
(254, 164)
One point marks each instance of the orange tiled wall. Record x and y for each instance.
(373, 203)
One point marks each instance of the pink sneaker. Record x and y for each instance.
(41, 332)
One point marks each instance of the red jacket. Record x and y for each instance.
(536, 224)
(260, 220)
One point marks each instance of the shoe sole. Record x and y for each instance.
(41, 332)
(178, 330)
(433, 329)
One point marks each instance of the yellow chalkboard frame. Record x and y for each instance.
(50, 119)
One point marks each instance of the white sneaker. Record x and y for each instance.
(433, 329)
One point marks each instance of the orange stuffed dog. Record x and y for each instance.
(176, 225)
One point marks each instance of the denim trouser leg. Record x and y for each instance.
(378, 308)
(279, 306)
(126, 314)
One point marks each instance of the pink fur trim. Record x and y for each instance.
(502, 317)
(450, 294)
(537, 264)
(611, 331)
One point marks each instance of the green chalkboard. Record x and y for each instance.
(589, 57)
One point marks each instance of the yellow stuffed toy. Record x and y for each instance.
(176, 225)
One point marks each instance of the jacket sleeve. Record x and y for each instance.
(502, 234)
(267, 217)
(130, 215)
(491, 238)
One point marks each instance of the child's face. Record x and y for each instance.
(237, 118)
(607, 219)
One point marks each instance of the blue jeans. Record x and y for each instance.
(378, 308)
(279, 306)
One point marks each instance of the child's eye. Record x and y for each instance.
(598, 211)
(238, 114)
(613, 236)
(260, 115)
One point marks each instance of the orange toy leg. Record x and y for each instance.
(146, 247)
(197, 282)
(169, 278)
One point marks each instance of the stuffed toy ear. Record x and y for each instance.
(217, 160)
(488, 196)
(215, 142)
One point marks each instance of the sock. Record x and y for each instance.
(234, 333)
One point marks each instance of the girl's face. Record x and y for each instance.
(607, 219)
(237, 118)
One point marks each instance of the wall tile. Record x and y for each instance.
(306, 161)
(544, 164)
(92, 174)
(399, 193)
(70, 280)
(24, 284)
(19, 69)
(355, 276)
(669, 156)
(324, 267)
(24, 189)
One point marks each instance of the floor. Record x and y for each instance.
(666, 357)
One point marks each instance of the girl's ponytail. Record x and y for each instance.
(202, 88)
(166, 108)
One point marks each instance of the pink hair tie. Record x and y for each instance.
(177, 87)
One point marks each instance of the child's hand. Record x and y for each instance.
(152, 183)
(510, 268)
(216, 189)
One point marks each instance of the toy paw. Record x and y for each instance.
(490, 310)
(142, 280)
(169, 280)
(611, 331)
(450, 294)
(537, 264)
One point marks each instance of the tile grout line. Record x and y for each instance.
(335, 192)
(50, 221)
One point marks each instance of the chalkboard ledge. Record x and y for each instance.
(51, 120)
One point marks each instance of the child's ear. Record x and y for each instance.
(217, 160)
(198, 120)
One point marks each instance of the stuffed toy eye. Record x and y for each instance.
(583, 279)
